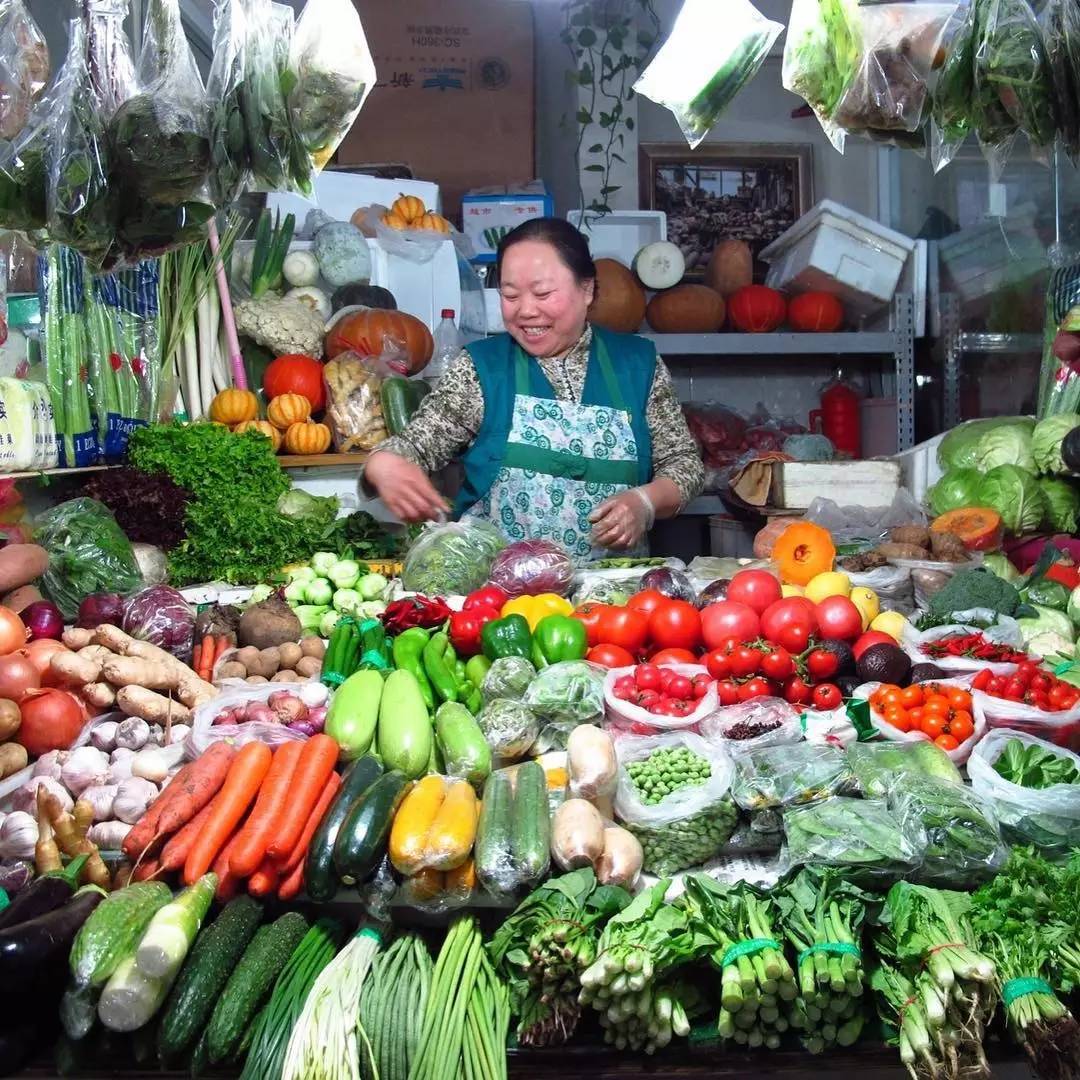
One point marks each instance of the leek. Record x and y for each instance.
(172, 931)
(130, 998)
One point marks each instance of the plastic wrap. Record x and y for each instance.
(508, 677)
(639, 721)
(686, 826)
(753, 724)
(713, 51)
(562, 696)
(24, 67)
(532, 567)
(163, 617)
(861, 836)
(1061, 728)
(229, 158)
(592, 765)
(1060, 21)
(509, 860)
(268, 29)
(951, 117)
(451, 559)
(1048, 817)
(1005, 631)
(24, 174)
(204, 731)
(509, 726)
(577, 835)
(878, 766)
(354, 410)
(788, 775)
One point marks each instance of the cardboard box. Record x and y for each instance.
(488, 214)
(454, 98)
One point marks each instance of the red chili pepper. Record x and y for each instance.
(422, 611)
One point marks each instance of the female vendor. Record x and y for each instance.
(565, 431)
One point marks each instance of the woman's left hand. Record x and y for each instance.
(622, 520)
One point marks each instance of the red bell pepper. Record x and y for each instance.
(465, 627)
(609, 624)
(490, 596)
(1066, 573)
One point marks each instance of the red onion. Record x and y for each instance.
(98, 608)
(316, 718)
(43, 619)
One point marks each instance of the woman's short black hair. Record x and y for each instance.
(569, 244)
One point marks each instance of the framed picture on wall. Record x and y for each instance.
(726, 191)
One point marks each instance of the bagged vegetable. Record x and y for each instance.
(602, 583)
(1029, 807)
(230, 160)
(451, 559)
(754, 724)
(1061, 728)
(268, 31)
(999, 629)
(712, 52)
(508, 677)
(24, 67)
(562, 696)
(532, 567)
(163, 617)
(354, 410)
(509, 726)
(24, 173)
(878, 766)
(207, 726)
(1060, 24)
(929, 577)
(952, 115)
(513, 835)
(893, 585)
(673, 795)
(787, 775)
(591, 763)
(638, 721)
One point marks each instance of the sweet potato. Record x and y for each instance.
(21, 564)
(21, 598)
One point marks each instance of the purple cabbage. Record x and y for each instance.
(532, 567)
(163, 617)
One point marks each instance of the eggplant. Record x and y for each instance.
(715, 590)
(672, 583)
(46, 894)
(1070, 450)
(29, 946)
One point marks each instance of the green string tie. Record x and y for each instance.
(839, 948)
(1018, 988)
(748, 948)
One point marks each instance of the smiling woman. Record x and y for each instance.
(565, 432)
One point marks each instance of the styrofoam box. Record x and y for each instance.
(835, 250)
(796, 484)
(620, 234)
(919, 467)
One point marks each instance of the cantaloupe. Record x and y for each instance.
(619, 303)
(660, 265)
(686, 309)
(730, 267)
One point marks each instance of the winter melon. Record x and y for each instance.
(660, 265)
(619, 303)
(730, 268)
(686, 309)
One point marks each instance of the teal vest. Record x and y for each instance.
(634, 360)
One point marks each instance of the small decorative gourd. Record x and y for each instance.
(395, 221)
(234, 406)
(263, 427)
(288, 409)
(409, 207)
(434, 223)
(307, 438)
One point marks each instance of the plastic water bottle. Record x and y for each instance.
(448, 343)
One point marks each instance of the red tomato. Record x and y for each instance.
(678, 707)
(744, 660)
(609, 656)
(673, 656)
(727, 691)
(647, 699)
(757, 589)
(755, 688)
(717, 664)
(946, 742)
(647, 677)
(871, 637)
(796, 690)
(295, 374)
(838, 619)
(646, 601)
(826, 696)
(727, 619)
(982, 680)
(822, 664)
(608, 624)
(1026, 671)
(701, 684)
(789, 623)
(681, 687)
(777, 664)
(676, 624)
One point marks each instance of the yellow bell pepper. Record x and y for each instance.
(535, 608)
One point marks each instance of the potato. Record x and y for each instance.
(232, 670)
(286, 676)
(256, 680)
(271, 658)
(309, 667)
(313, 646)
(12, 759)
(20, 564)
(289, 655)
(21, 598)
(247, 656)
(10, 719)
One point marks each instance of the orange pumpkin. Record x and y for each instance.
(409, 207)
(307, 438)
(815, 313)
(767, 537)
(371, 331)
(263, 427)
(756, 309)
(288, 409)
(434, 223)
(803, 551)
(234, 406)
(395, 221)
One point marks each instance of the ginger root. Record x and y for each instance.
(917, 535)
(150, 706)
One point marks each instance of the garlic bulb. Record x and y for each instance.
(108, 835)
(154, 762)
(85, 767)
(133, 796)
(18, 835)
(133, 733)
(179, 733)
(50, 764)
(313, 694)
(101, 798)
(103, 736)
(25, 798)
(119, 767)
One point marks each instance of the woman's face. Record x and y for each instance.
(543, 306)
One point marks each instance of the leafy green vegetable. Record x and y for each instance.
(149, 507)
(998, 563)
(822, 53)
(1046, 621)
(788, 774)
(1062, 502)
(452, 559)
(318, 511)
(1015, 494)
(1046, 441)
(956, 489)
(959, 448)
(1031, 766)
(878, 766)
(1005, 445)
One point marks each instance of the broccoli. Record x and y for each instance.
(976, 589)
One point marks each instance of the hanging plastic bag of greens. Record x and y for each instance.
(230, 161)
(333, 71)
(24, 66)
(952, 112)
(24, 171)
(159, 143)
(1060, 23)
(821, 56)
(713, 51)
(262, 96)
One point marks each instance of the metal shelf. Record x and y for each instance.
(999, 344)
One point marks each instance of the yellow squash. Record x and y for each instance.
(453, 831)
(412, 823)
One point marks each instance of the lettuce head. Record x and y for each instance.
(1062, 503)
(954, 490)
(1015, 494)
(1046, 441)
(1009, 444)
(957, 449)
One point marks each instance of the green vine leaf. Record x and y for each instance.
(587, 37)
(629, 121)
(594, 168)
(596, 148)
(584, 117)
(585, 75)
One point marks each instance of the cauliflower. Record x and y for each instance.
(281, 324)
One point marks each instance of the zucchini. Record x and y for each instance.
(113, 930)
(462, 743)
(354, 711)
(320, 881)
(361, 843)
(251, 983)
(530, 840)
(400, 400)
(216, 952)
(492, 850)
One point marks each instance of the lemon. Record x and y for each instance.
(866, 600)
(831, 583)
(791, 590)
(891, 623)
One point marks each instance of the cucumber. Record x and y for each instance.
(113, 930)
(354, 712)
(492, 849)
(320, 880)
(464, 749)
(251, 982)
(361, 842)
(530, 840)
(398, 404)
(216, 952)
(404, 726)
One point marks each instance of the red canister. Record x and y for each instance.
(838, 419)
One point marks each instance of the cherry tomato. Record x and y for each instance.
(777, 664)
(827, 696)
(789, 623)
(727, 691)
(681, 688)
(893, 697)
(647, 677)
(996, 686)
(726, 619)
(896, 715)
(1014, 689)
(646, 699)
(962, 725)
(946, 742)
(796, 690)
(1058, 695)
(983, 679)
(933, 724)
(1040, 681)
(625, 682)
(623, 693)
(822, 664)
(757, 589)
(754, 688)
(701, 684)
(744, 661)
(958, 698)
(609, 656)
(717, 664)
(673, 656)
(915, 715)
(911, 696)
(1026, 670)
(681, 708)
(646, 601)
(904, 722)
(838, 619)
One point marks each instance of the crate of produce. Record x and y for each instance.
(796, 484)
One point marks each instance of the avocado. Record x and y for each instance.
(886, 664)
(847, 684)
(844, 656)
(926, 672)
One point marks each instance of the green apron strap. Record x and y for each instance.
(608, 373)
(521, 372)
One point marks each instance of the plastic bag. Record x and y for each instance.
(753, 724)
(509, 727)
(452, 559)
(333, 71)
(860, 835)
(639, 721)
(787, 775)
(568, 693)
(720, 432)
(963, 845)
(532, 567)
(268, 28)
(1060, 23)
(24, 173)
(850, 524)
(952, 113)
(229, 158)
(1048, 817)
(614, 585)
(687, 825)
(354, 410)
(161, 616)
(713, 51)
(878, 766)
(928, 578)
(204, 730)
(505, 861)
(508, 677)
(24, 67)
(591, 763)
(1061, 728)
(414, 245)
(88, 553)
(1005, 631)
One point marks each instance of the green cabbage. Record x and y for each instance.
(954, 490)
(1046, 621)
(1015, 494)
(1062, 503)
(1008, 445)
(957, 449)
(1046, 441)
(999, 565)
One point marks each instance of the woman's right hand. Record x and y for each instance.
(404, 488)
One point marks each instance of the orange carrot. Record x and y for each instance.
(223, 646)
(146, 871)
(264, 881)
(317, 761)
(145, 832)
(196, 657)
(175, 852)
(274, 797)
(228, 884)
(326, 797)
(290, 885)
(199, 786)
(246, 774)
(206, 653)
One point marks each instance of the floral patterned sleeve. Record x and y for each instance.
(675, 454)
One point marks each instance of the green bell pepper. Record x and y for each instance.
(506, 637)
(558, 638)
